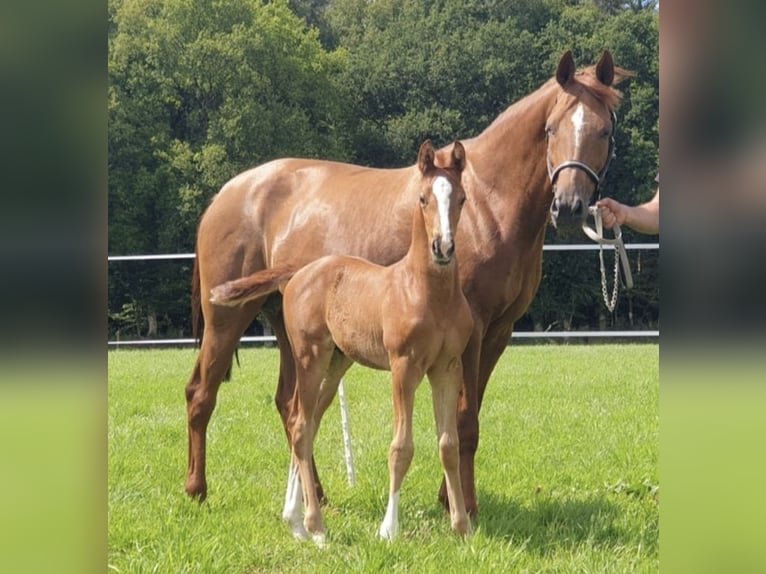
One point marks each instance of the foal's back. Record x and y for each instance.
(336, 302)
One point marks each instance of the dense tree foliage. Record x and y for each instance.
(200, 90)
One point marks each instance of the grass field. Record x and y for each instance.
(566, 473)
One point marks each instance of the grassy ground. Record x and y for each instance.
(567, 470)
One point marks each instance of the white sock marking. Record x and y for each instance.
(390, 526)
(294, 503)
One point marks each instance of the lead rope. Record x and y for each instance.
(620, 255)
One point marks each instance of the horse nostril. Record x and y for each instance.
(450, 249)
(577, 207)
(435, 247)
(555, 207)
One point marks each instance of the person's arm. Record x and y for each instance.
(644, 218)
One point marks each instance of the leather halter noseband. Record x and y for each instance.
(597, 178)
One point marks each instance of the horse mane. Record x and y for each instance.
(608, 95)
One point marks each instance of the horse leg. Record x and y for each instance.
(467, 424)
(405, 381)
(223, 328)
(285, 395)
(313, 370)
(291, 512)
(491, 348)
(445, 386)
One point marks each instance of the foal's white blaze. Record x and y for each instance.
(578, 120)
(390, 526)
(442, 189)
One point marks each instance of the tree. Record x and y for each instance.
(199, 91)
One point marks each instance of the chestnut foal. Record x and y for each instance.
(410, 318)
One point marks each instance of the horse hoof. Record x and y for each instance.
(463, 529)
(299, 533)
(296, 527)
(319, 539)
(386, 534)
(196, 490)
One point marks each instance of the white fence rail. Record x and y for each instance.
(515, 335)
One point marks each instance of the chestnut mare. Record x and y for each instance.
(540, 160)
(410, 318)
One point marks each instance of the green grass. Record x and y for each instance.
(566, 473)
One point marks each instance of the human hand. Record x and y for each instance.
(612, 212)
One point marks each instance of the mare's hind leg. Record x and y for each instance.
(445, 386)
(223, 328)
(406, 378)
(285, 395)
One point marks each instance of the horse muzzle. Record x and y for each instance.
(443, 250)
(568, 210)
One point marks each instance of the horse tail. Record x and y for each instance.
(239, 291)
(198, 320)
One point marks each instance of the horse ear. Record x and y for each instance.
(458, 156)
(426, 157)
(566, 70)
(605, 69)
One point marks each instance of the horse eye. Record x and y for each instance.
(462, 201)
(549, 131)
(423, 201)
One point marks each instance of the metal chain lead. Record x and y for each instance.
(620, 254)
(609, 302)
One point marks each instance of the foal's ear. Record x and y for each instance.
(605, 69)
(458, 156)
(566, 69)
(426, 157)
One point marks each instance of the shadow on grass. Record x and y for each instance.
(546, 524)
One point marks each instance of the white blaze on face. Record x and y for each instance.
(578, 120)
(442, 189)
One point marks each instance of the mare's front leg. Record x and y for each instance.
(445, 387)
(405, 377)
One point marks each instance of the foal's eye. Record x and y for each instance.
(462, 201)
(549, 131)
(423, 201)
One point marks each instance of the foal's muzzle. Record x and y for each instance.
(443, 250)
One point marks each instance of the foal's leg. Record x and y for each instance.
(300, 478)
(223, 328)
(445, 386)
(285, 395)
(468, 422)
(406, 378)
(318, 375)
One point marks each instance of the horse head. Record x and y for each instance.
(580, 137)
(441, 199)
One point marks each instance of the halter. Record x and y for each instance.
(597, 178)
(597, 235)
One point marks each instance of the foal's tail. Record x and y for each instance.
(239, 291)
